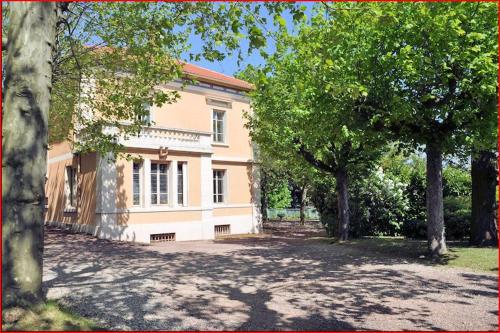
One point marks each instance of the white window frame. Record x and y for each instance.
(141, 183)
(71, 186)
(224, 125)
(158, 193)
(149, 117)
(183, 167)
(216, 191)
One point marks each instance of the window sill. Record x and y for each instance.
(69, 210)
(153, 209)
(220, 144)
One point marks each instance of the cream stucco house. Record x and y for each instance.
(195, 180)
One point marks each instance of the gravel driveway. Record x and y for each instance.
(273, 283)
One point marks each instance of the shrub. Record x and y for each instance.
(324, 199)
(377, 204)
(457, 220)
(393, 201)
(456, 200)
(414, 229)
(415, 192)
(457, 217)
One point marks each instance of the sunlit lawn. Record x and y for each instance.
(459, 255)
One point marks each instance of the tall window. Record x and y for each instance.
(159, 184)
(219, 186)
(71, 187)
(136, 180)
(218, 126)
(180, 183)
(146, 118)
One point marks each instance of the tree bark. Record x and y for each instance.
(27, 87)
(343, 203)
(484, 231)
(434, 198)
(302, 194)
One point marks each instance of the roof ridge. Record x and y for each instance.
(213, 71)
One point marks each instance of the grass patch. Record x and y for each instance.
(459, 253)
(45, 317)
(476, 258)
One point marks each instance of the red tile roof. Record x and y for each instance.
(207, 75)
(202, 74)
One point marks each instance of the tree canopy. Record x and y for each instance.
(357, 75)
(312, 96)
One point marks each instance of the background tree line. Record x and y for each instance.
(360, 79)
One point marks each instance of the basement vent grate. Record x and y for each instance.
(223, 229)
(160, 238)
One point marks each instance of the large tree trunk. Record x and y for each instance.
(434, 199)
(343, 203)
(302, 198)
(484, 230)
(28, 75)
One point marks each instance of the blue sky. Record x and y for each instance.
(229, 65)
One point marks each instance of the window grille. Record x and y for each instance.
(160, 238)
(223, 229)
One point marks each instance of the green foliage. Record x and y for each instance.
(457, 216)
(321, 118)
(457, 200)
(377, 202)
(378, 206)
(280, 196)
(415, 192)
(456, 182)
(392, 200)
(441, 61)
(324, 200)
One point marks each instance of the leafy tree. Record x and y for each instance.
(442, 60)
(90, 92)
(312, 96)
(282, 171)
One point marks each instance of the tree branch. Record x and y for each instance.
(309, 157)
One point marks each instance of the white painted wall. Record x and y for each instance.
(106, 226)
(207, 202)
(184, 230)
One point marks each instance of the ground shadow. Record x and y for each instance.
(268, 283)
